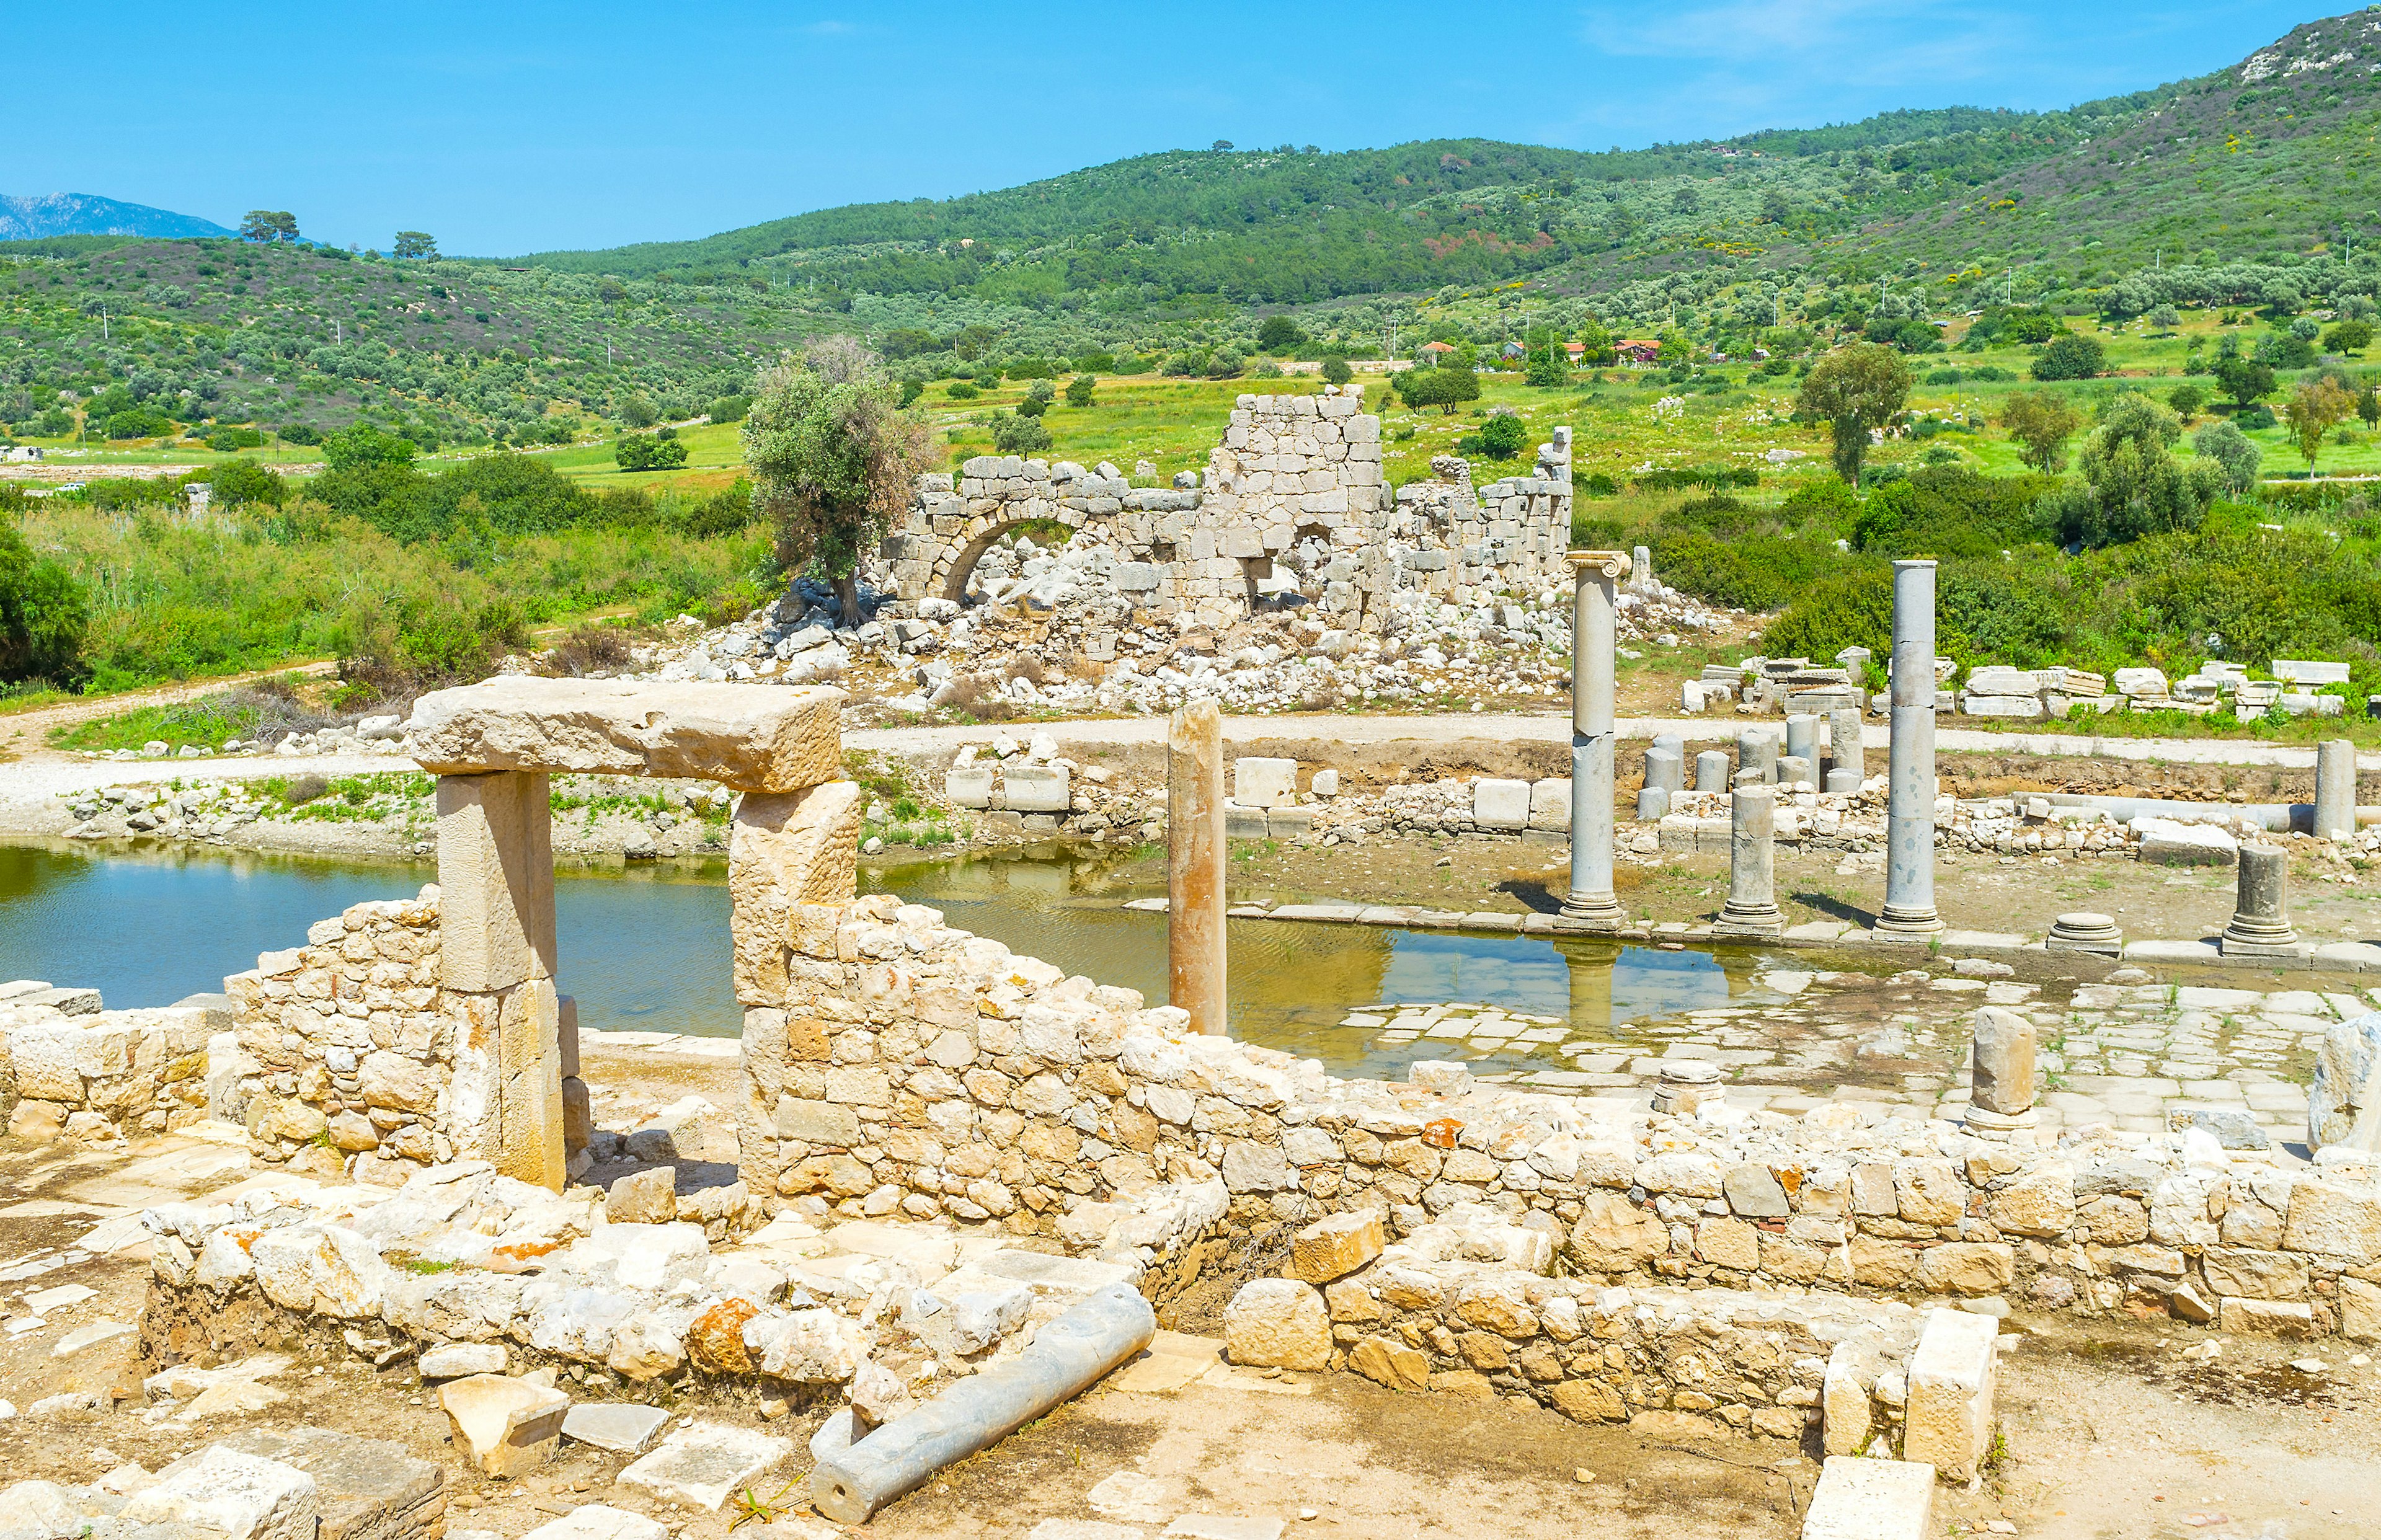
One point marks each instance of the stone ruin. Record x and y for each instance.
(1013, 1141)
(1293, 510)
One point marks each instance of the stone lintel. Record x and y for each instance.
(748, 736)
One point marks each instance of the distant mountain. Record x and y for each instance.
(82, 214)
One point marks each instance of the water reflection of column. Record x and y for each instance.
(1909, 812)
(1592, 901)
(1591, 984)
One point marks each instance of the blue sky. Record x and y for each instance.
(506, 128)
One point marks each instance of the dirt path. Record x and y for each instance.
(26, 734)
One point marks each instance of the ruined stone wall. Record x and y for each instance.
(99, 1076)
(1293, 502)
(913, 1066)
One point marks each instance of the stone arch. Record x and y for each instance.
(955, 563)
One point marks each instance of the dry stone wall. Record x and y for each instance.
(99, 1076)
(1293, 503)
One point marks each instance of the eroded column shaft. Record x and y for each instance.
(1910, 812)
(1590, 900)
(1196, 978)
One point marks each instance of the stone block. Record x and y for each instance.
(623, 1427)
(456, 1360)
(2165, 842)
(1848, 1409)
(1949, 1410)
(1035, 788)
(1550, 803)
(364, 1488)
(816, 1122)
(244, 1497)
(1336, 1245)
(2265, 1318)
(706, 1464)
(602, 1521)
(1500, 804)
(647, 1197)
(2344, 1098)
(495, 881)
(750, 737)
(1872, 1500)
(1265, 783)
(784, 851)
(507, 1427)
(969, 787)
(1277, 1323)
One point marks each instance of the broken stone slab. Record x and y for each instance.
(750, 737)
(365, 1488)
(42, 1510)
(706, 1464)
(92, 1336)
(1336, 1245)
(2344, 1098)
(244, 1497)
(1949, 1410)
(1872, 1500)
(598, 1521)
(623, 1427)
(644, 1198)
(458, 1360)
(505, 1427)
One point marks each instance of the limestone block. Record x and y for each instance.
(647, 1197)
(969, 787)
(1949, 1410)
(1872, 1500)
(1336, 1245)
(1277, 1323)
(495, 881)
(2003, 1060)
(364, 1488)
(529, 1087)
(706, 1464)
(1550, 803)
(1035, 788)
(786, 850)
(1500, 804)
(2343, 1100)
(1265, 783)
(507, 1427)
(603, 1521)
(2335, 1219)
(750, 737)
(242, 1496)
(1846, 1396)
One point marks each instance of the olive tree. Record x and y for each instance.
(834, 459)
(2042, 422)
(2233, 453)
(2313, 409)
(2132, 483)
(1855, 388)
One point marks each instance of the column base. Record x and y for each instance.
(1985, 1123)
(1908, 922)
(1766, 923)
(2253, 938)
(1595, 910)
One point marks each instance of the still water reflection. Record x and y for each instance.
(647, 948)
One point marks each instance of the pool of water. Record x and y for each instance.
(646, 948)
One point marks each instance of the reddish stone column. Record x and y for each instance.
(1194, 865)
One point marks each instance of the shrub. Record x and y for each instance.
(1080, 389)
(1015, 434)
(243, 481)
(43, 615)
(1336, 370)
(640, 452)
(362, 446)
(729, 409)
(963, 390)
(1599, 485)
(2070, 357)
(1846, 609)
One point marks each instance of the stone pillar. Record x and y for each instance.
(1195, 975)
(1909, 816)
(2260, 921)
(2001, 1086)
(2335, 789)
(1711, 770)
(1590, 901)
(1803, 736)
(1675, 746)
(1751, 907)
(496, 963)
(1756, 749)
(1794, 770)
(1851, 767)
(1664, 770)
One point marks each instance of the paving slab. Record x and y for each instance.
(623, 1427)
(706, 1464)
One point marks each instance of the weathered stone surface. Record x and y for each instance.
(1265, 783)
(365, 1488)
(1615, 1234)
(456, 1360)
(647, 1197)
(505, 1426)
(1949, 1410)
(2002, 1057)
(1872, 1500)
(600, 1521)
(753, 737)
(1588, 1401)
(623, 1427)
(1278, 1324)
(706, 1464)
(2335, 1219)
(1752, 1192)
(495, 881)
(784, 851)
(2344, 1099)
(1336, 1245)
(1388, 1362)
(242, 1496)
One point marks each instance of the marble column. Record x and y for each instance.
(1756, 749)
(1803, 736)
(1590, 901)
(1194, 866)
(1849, 767)
(2001, 1078)
(1909, 812)
(1711, 770)
(2261, 920)
(2335, 789)
(1751, 907)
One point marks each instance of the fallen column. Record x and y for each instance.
(1196, 979)
(2335, 789)
(2001, 1081)
(1068, 1357)
(1590, 901)
(1909, 812)
(2261, 923)
(1751, 907)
